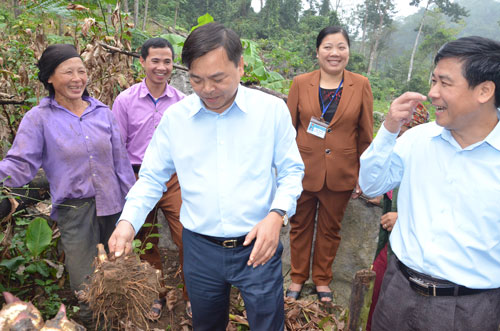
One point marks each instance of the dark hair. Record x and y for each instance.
(208, 37)
(331, 30)
(480, 59)
(155, 43)
(51, 57)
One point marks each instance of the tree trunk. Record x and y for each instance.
(176, 13)
(363, 37)
(378, 35)
(361, 299)
(412, 58)
(136, 13)
(125, 6)
(146, 3)
(261, 4)
(61, 25)
(15, 6)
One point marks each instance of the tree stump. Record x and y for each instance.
(361, 299)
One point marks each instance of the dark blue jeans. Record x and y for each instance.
(210, 270)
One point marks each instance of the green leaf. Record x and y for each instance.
(42, 268)
(31, 269)
(261, 73)
(38, 236)
(136, 243)
(274, 77)
(202, 20)
(149, 245)
(176, 41)
(12, 264)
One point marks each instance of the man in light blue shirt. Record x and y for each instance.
(240, 173)
(446, 270)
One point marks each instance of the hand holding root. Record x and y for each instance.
(120, 242)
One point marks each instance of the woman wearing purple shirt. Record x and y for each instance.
(76, 140)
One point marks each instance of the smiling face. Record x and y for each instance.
(333, 53)
(457, 105)
(69, 79)
(215, 79)
(158, 66)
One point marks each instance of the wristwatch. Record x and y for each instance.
(283, 214)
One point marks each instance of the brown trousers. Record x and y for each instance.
(330, 206)
(170, 205)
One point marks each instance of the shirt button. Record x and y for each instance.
(328, 130)
(86, 137)
(221, 142)
(93, 175)
(327, 151)
(91, 157)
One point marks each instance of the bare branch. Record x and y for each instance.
(114, 49)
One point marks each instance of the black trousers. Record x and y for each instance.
(400, 308)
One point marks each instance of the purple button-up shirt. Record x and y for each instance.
(82, 157)
(138, 115)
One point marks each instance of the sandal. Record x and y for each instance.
(323, 295)
(156, 309)
(189, 310)
(293, 294)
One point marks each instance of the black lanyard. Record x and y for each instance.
(333, 98)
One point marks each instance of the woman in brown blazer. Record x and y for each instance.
(332, 110)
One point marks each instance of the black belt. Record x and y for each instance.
(226, 243)
(136, 168)
(429, 286)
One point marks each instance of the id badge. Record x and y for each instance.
(317, 127)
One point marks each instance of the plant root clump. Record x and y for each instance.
(121, 290)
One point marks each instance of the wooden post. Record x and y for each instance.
(361, 299)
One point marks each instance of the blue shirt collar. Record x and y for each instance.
(239, 103)
(493, 138)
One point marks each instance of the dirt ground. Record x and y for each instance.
(304, 314)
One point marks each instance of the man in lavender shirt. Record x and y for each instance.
(138, 111)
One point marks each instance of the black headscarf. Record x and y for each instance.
(51, 57)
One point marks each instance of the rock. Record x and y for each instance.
(357, 248)
(180, 80)
(359, 235)
(356, 251)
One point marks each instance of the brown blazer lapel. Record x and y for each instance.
(313, 94)
(345, 100)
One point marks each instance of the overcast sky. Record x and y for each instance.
(402, 6)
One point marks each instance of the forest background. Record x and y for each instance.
(395, 52)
